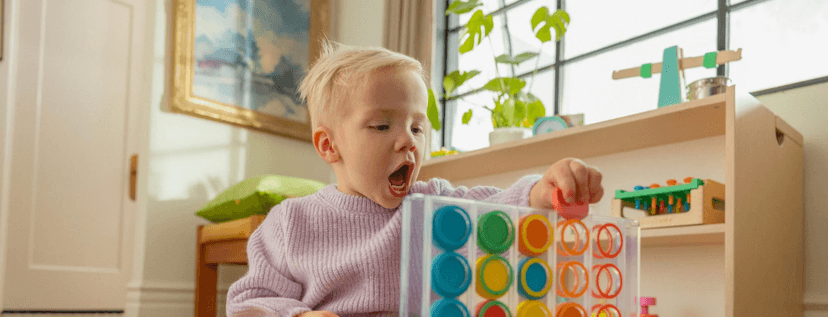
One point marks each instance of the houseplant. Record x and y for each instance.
(513, 108)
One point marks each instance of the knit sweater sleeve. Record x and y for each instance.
(268, 284)
(516, 195)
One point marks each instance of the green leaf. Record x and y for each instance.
(543, 22)
(505, 85)
(456, 79)
(536, 110)
(467, 116)
(475, 30)
(460, 7)
(516, 60)
(527, 97)
(432, 112)
(520, 113)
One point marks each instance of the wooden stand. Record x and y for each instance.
(221, 243)
(706, 207)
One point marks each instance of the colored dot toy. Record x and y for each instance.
(451, 274)
(495, 232)
(494, 276)
(469, 258)
(492, 308)
(449, 307)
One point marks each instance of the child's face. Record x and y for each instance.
(384, 130)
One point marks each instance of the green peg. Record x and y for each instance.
(709, 60)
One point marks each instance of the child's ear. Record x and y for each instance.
(324, 144)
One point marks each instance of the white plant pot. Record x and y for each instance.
(507, 134)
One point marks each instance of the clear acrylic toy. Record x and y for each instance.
(469, 258)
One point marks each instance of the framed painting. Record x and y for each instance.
(241, 61)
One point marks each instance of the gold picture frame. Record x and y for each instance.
(221, 70)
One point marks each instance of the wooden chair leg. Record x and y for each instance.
(206, 282)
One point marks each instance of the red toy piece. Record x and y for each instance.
(573, 211)
(645, 302)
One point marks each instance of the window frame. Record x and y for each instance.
(443, 64)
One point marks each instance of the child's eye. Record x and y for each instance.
(381, 127)
(417, 130)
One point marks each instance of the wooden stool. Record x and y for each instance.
(221, 243)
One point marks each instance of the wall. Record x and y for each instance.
(804, 109)
(190, 160)
(6, 111)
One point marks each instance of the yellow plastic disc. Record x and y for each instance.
(532, 308)
(494, 276)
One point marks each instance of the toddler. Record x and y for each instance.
(337, 252)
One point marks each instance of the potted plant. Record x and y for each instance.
(514, 110)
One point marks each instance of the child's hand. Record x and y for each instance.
(321, 313)
(580, 184)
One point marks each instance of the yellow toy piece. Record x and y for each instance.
(494, 276)
(444, 151)
(532, 308)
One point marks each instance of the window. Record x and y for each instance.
(782, 41)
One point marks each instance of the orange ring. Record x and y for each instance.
(565, 290)
(602, 267)
(606, 309)
(558, 249)
(595, 270)
(560, 308)
(570, 252)
(595, 253)
(559, 287)
(620, 238)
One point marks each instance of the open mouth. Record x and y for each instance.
(398, 181)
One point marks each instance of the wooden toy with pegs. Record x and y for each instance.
(672, 69)
(692, 203)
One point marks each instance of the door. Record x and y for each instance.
(77, 124)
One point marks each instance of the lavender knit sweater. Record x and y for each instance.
(336, 252)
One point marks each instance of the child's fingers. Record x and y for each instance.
(561, 177)
(581, 175)
(596, 191)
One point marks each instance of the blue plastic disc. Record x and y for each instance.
(533, 279)
(450, 274)
(451, 228)
(449, 307)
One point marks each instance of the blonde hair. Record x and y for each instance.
(327, 86)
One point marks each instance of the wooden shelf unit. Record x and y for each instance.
(763, 230)
(686, 235)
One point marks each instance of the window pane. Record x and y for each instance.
(543, 88)
(475, 135)
(488, 6)
(782, 42)
(523, 38)
(481, 58)
(589, 87)
(598, 23)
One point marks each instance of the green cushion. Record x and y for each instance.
(256, 196)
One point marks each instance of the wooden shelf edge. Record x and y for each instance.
(677, 123)
(683, 236)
